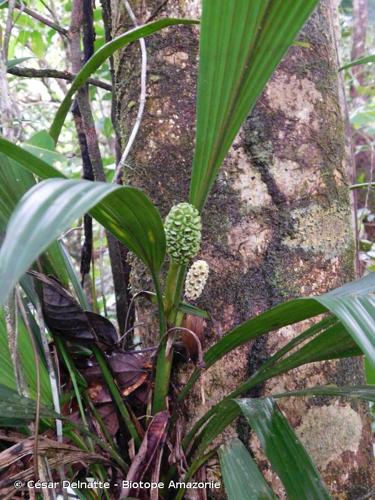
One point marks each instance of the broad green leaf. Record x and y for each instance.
(18, 410)
(42, 139)
(99, 57)
(354, 305)
(46, 155)
(242, 478)
(14, 182)
(241, 44)
(283, 449)
(29, 161)
(361, 60)
(193, 310)
(222, 415)
(332, 341)
(51, 207)
(287, 313)
(365, 392)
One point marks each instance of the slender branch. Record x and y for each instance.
(96, 160)
(88, 171)
(42, 19)
(142, 100)
(156, 11)
(53, 73)
(8, 28)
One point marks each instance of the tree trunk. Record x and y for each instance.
(278, 223)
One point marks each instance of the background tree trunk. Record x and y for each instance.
(278, 223)
(360, 23)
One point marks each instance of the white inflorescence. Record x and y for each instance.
(196, 279)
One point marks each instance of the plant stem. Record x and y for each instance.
(193, 469)
(107, 375)
(37, 378)
(73, 434)
(173, 290)
(162, 377)
(71, 369)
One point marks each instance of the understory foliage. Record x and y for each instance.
(77, 398)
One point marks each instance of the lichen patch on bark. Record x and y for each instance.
(329, 431)
(177, 58)
(295, 97)
(318, 229)
(295, 180)
(249, 239)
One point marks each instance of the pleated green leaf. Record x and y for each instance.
(51, 207)
(365, 392)
(18, 410)
(353, 304)
(100, 56)
(241, 44)
(25, 350)
(283, 449)
(332, 342)
(242, 478)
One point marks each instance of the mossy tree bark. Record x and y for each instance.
(278, 224)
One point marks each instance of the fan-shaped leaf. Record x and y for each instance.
(241, 44)
(332, 342)
(353, 304)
